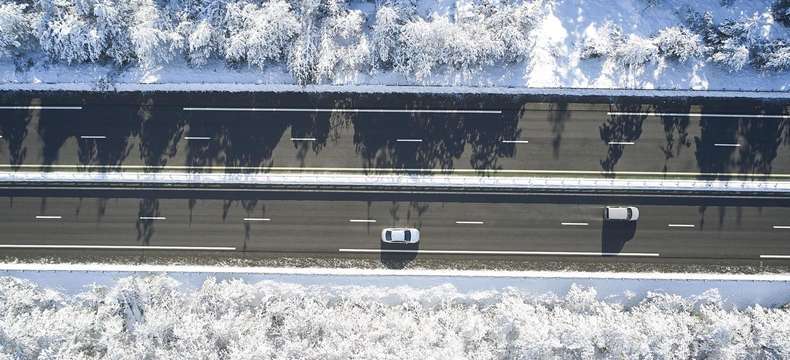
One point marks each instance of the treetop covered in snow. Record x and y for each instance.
(328, 41)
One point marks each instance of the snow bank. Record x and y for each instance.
(163, 316)
(628, 44)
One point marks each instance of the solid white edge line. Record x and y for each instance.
(282, 168)
(681, 225)
(408, 140)
(92, 137)
(726, 145)
(621, 143)
(302, 139)
(153, 218)
(257, 219)
(52, 217)
(774, 256)
(515, 141)
(117, 247)
(361, 221)
(470, 222)
(574, 224)
(761, 116)
(197, 138)
(781, 226)
(427, 111)
(485, 252)
(40, 107)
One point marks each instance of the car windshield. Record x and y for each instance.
(388, 235)
(630, 214)
(407, 235)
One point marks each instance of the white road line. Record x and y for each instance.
(92, 137)
(726, 145)
(774, 256)
(118, 247)
(515, 141)
(681, 225)
(40, 107)
(349, 169)
(408, 140)
(302, 139)
(153, 218)
(483, 252)
(470, 222)
(575, 224)
(48, 217)
(621, 143)
(257, 219)
(361, 220)
(197, 138)
(781, 226)
(400, 111)
(758, 116)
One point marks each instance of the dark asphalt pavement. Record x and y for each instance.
(339, 225)
(512, 133)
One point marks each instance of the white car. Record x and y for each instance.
(400, 235)
(621, 213)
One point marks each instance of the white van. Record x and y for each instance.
(621, 213)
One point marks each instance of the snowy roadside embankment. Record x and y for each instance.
(313, 314)
(545, 44)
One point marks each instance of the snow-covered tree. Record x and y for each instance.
(155, 39)
(731, 54)
(636, 51)
(781, 12)
(602, 41)
(678, 43)
(14, 29)
(87, 30)
(773, 56)
(386, 34)
(260, 34)
(344, 46)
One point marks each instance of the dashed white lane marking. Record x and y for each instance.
(515, 141)
(303, 139)
(726, 145)
(408, 140)
(257, 219)
(197, 138)
(774, 256)
(119, 247)
(484, 252)
(574, 224)
(40, 107)
(758, 116)
(153, 218)
(621, 143)
(92, 137)
(400, 111)
(48, 217)
(470, 222)
(361, 220)
(781, 226)
(681, 225)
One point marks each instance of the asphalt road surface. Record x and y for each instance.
(524, 136)
(339, 225)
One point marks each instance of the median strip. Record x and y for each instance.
(118, 247)
(485, 252)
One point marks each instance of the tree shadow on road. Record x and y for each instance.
(620, 128)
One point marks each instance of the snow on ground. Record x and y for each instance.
(554, 60)
(276, 315)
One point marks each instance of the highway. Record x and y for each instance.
(44, 222)
(521, 136)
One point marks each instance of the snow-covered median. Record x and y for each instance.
(363, 314)
(603, 44)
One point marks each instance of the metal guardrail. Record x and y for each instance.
(397, 181)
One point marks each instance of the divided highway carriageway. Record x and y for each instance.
(465, 134)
